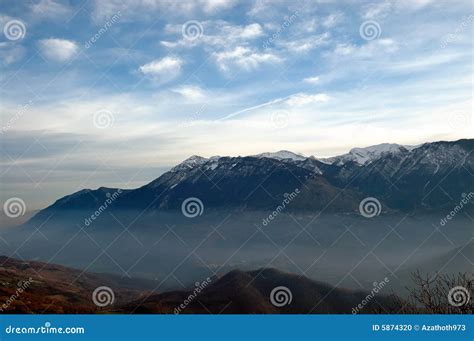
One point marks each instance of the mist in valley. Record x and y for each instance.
(344, 250)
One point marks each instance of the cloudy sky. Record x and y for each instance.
(98, 93)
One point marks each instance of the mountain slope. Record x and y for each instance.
(432, 176)
(51, 288)
(241, 292)
(241, 182)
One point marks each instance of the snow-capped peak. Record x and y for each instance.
(194, 161)
(282, 155)
(361, 156)
(366, 155)
(190, 163)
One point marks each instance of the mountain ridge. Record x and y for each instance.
(427, 177)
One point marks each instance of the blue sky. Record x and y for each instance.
(106, 93)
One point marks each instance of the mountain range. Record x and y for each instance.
(429, 177)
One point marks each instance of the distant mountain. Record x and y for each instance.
(458, 260)
(432, 176)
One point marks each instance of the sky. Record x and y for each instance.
(109, 93)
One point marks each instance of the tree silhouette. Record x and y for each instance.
(439, 294)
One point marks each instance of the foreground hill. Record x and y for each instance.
(51, 288)
(250, 292)
(55, 289)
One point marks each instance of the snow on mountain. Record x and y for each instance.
(211, 163)
(363, 156)
(417, 170)
(282, 155)
(194, 161)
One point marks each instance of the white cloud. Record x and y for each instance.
(218, 34)
(244, 58)
(11, 53)
(271, 8)
(251, 31)
(310, 25)
(332, 20)
(413, 4)
(304, 99)
(377, 11)
(430, 61)
(148, 9)
(345, 49)
(211, 6)
(191, 92)
(368, 50)
(164, 69)
(304, 44)
(49, 9)
(59, 50)
(311, 80)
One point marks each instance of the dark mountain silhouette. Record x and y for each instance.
(53, 288)
(241, 292)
